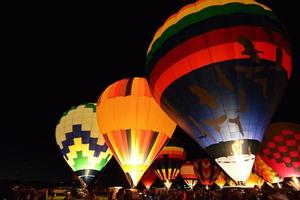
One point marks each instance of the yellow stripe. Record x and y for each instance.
(196, 7)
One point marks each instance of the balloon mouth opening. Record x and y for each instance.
(86, 176)
(168, 184)
(238, 167)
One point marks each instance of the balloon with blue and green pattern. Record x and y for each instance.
(81, 143)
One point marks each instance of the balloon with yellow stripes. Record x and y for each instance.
(133, 125)
(169, 161)
(81, 143)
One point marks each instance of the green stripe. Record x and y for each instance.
(103, 162)
(231, 8)
(80, 162)
(87, 105)
(91, 105)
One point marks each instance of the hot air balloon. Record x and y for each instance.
(265, 171)
(148, 178)
(219, 69)
(133, 125)
(206, 171)
(81, 143)
(188, 174)
(281, 147)
(168, 163)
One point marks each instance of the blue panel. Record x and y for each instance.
(99, 149)
(86, 139)
(226, 101)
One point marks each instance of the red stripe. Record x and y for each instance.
(107, 141)
(213, 54)
(214, 38)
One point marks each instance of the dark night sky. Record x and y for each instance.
(57, 56)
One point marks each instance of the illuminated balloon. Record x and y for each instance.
(168, 163)
(219, 69)
(81, 143)
(188, 174)
(265, 171)
(133, 125)
(224, 180)
(281, 149)
(148, 178)
(206, 171)
(254, 180)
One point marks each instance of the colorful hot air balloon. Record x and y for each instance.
(188, 174)
(206, 171)
(133, 125)
(81, 143)
(265, 171)
(281, 149)
(168, 163)
(148, 178)
(219, 69)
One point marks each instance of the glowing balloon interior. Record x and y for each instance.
(224, 180)
(219, 69)
(148, 178)
(133, 125)
(254, 180)
(81, 143)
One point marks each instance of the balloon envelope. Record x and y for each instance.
(219, 68)
(206, 171)
(168, 163)
(133, 125)
(188, 174)
(81, 143)
(148, 178)
(281, 147)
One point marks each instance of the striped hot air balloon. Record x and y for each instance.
(81, 143)
(206, 170)
(188, 174)
(168, 163)
(219, 69)
(133, 125)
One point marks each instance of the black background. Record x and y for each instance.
(55, 56)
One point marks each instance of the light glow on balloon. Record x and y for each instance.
(219, 69)
(81, 143)
(133, 125)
